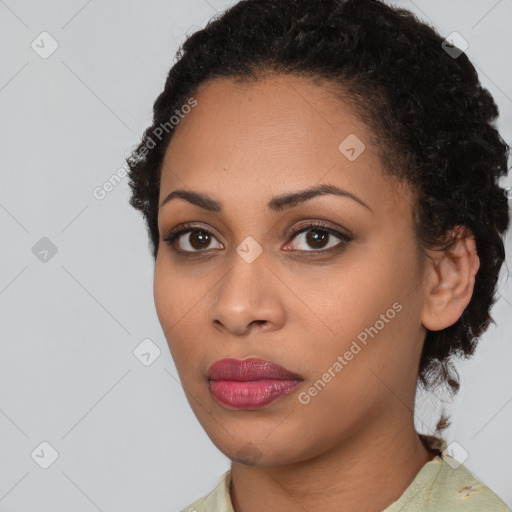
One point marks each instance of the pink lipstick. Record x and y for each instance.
(249, 383)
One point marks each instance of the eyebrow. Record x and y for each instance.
(276, 204)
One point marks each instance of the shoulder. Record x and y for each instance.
(198, 506)
(445, 485)
(218, 500)
(456, 488)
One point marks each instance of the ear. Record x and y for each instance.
(449, 281)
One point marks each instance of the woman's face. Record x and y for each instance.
(342, 311)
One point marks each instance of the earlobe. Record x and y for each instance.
(449, 282)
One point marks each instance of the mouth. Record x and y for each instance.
(250, 383)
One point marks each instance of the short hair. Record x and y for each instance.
(432, 123)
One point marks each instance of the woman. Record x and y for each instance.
(320, 186)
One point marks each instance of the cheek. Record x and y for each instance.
(372, 302)
(173, 294)
(170, 302)
(163, 294)
(385, 273)
(179, 309)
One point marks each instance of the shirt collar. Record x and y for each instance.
(220, 498)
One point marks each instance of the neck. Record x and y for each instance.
(367, 472)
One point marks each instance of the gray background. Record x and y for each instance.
(124, 433)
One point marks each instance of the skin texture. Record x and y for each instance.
(354, 442)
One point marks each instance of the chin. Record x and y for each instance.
(259, 450)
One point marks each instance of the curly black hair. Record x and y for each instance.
(432, 123)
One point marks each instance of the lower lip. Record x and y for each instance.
(252, 394)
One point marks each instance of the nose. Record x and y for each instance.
(248, 298)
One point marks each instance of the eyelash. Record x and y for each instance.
(173, 235)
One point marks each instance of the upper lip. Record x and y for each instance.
(251, 368)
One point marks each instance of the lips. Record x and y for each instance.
(249, 383)
(242, 370)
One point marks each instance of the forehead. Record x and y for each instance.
(277, 114)
(268, 137)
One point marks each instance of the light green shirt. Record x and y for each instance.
(442, 485)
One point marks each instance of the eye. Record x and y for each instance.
(317, 236)
(198, 239)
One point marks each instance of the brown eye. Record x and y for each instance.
(197, 240)
(318, 237)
